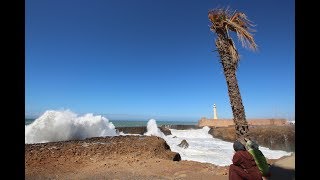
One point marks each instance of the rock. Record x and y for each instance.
(273, 137)
(184, 144)
(132, 130)
(166, 131)
(176, 157)
(181, 127)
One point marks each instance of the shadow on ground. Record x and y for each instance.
(278, 173)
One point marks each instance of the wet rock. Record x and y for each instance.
(181, 127)
(132, 130)
(184, 144)
(176, 157)
(166, 131)
(272, 137)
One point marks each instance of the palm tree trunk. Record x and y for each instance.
(229, 69)
(238, 111)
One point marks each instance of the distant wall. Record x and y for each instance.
(229, 122)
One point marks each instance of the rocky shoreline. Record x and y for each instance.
(120, 157)
(164, 128)
(272, 137)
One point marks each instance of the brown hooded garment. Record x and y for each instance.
(244, 167)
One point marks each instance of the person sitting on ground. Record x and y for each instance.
(243, 165)
(260, 159)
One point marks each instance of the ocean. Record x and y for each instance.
(133, 123)
(66, 125)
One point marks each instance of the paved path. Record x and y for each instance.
(287, 163)
(283, 169)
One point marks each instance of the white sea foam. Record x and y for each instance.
(204, 148)
(65, 125)
(152, 129)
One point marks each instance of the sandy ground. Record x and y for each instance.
(125, 157)
(283, 168)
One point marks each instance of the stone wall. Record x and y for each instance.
(229, 122)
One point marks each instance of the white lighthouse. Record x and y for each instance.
(215, 112)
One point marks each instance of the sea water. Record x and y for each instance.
(66, 125)
(133, 123)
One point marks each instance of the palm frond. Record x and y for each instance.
(217, 18)
(237, 22)
(242, 26)
(245, 37)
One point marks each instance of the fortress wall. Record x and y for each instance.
(229, 122)
(215, 123)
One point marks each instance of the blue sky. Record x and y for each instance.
(141, 59)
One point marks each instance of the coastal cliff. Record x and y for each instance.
(272, 137)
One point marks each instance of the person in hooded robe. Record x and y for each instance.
(260, 159)
(243, 164)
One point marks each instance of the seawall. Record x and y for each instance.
(251, 122)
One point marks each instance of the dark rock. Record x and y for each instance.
(133, 130)
(184, 144)
(177, 157)
(224, 133)
(181, 127)
(272, 137)
(276, 137)
(165, 130)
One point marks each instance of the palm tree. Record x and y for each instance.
(222, 20)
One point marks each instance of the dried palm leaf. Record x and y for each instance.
(238, 22)
(245, 37)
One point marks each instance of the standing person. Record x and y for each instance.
(260, 159)
(243, 166)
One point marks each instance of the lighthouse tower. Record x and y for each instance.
(215, 112)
